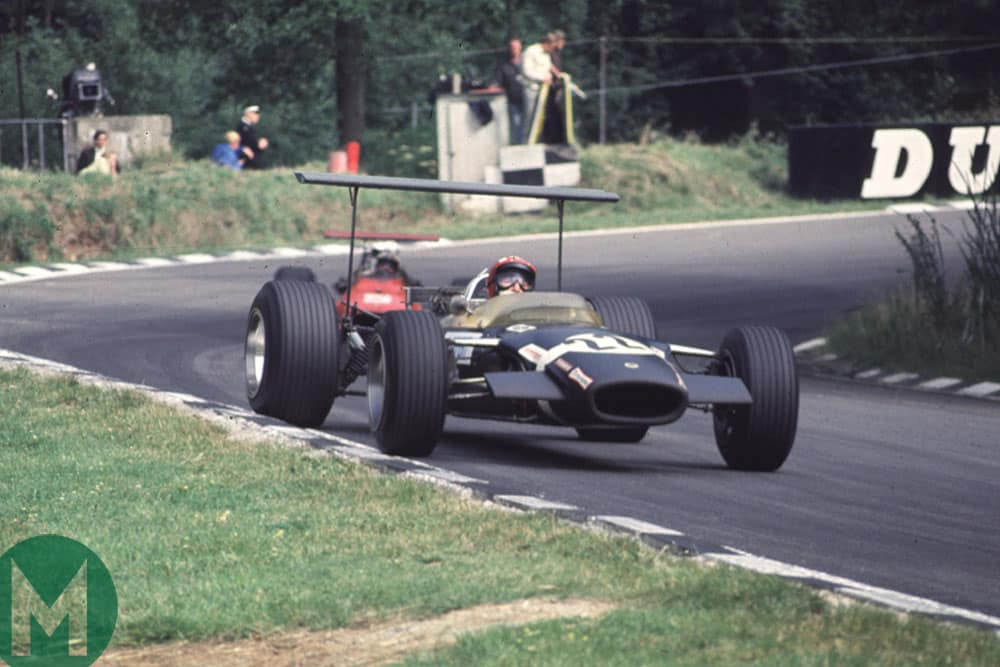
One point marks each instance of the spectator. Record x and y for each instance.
(537, 69)
(106, 164)
(251, 146)
(508, 77)
(97, 152)
(560, 44)
(229, 153)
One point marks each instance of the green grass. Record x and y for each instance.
(171, 206)
(207, 537)
(898, 334)
(933, 326)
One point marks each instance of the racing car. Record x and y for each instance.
(380, 280)
(592, 364)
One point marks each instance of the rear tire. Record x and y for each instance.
(407, 383)
(626, 315)
(303, 273)
(628, 434)
(758, 436)
(290, 352)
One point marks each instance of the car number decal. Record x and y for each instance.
(595, 343)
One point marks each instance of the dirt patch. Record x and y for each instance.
(372, 645)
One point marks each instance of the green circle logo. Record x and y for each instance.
(58, 605)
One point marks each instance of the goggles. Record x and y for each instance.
(507, 279)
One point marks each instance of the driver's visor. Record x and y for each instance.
(510, 277)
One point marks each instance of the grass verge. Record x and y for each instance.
(209, 538)
(936, 326)
(171, 206)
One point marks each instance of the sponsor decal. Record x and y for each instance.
(377, 298)
(532, 352)
(631, 365)
(578, 376)
(521, 328)
(879, 162)
(563, 365)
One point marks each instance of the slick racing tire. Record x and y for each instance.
(627, 434)
(758, 436)
(290, 352)
(303, 273)
(407, 383)
(625, 315)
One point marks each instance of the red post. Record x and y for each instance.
(353, 156)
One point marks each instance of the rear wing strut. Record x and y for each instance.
(355, 183)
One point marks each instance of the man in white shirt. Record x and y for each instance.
(537, 68)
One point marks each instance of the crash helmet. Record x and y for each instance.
(387, 263)
(509, 270)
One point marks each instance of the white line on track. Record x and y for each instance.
(533, 503)
(940, 383)
(981, 389)
(897, 378)
(634, 526)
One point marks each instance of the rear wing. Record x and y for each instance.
(354, 183)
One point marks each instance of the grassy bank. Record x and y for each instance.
(935, 326)
(167, 206)
(211, 539)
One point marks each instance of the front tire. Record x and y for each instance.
(290, 352)
(626, 315)
(407, 383)
(758, 436)
(303, 273)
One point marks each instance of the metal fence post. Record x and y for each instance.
(65, 144)
(41, 146)
(603, 98)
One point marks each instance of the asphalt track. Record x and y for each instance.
(894, 488)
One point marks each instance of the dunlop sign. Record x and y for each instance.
(868, 162)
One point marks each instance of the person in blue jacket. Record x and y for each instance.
(229, 153)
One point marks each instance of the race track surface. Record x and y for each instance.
(890, 487)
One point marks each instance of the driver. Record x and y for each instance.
(511, 275)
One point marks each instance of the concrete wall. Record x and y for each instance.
(128, 136)
(466, 147)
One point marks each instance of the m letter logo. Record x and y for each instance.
(27, 607)
(58, 604)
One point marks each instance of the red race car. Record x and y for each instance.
(378, 283)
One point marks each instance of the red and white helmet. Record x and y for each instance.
(509, 270)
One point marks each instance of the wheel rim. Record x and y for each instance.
(254, 352)
(376, 383)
